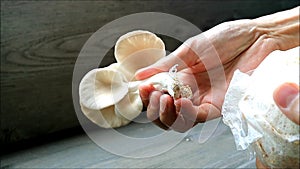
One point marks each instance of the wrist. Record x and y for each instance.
(282, 28)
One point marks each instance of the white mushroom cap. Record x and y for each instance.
(102, 87)
(137, 41)
(136, 50)
(105, 118)
(130, 106)
(99, 91)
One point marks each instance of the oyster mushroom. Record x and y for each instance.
(109, 96)
(96, 85)
(138, 49)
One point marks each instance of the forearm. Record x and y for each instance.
(279, 31)
(282, 27)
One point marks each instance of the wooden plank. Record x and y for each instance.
(40, 41)
(80, 152)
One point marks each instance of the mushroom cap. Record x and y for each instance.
(138, 49)
(136, 41)
(138, 60)
(103, 87)
(105, 117)
(130, 106)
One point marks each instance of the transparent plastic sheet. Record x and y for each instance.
(255, 120)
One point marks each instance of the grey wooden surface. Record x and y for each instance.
(40, 41)
(80, 152)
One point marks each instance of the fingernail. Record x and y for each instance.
(286, 94)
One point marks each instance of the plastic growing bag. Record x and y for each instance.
(251, 113)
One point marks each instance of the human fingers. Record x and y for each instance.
(184, 115)
(145, 90)
(172, 119)
(167, 113)
(161, 111)
(198, 114)
(154, 108)
(286, 96)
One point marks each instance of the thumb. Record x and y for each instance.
(164, 64)
(286, 96)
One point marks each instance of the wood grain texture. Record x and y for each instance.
(40, 41)
(80, 152)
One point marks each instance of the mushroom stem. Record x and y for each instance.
(166, 81)
(133, 86)
(161, 81)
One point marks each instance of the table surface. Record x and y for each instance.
(81, 151)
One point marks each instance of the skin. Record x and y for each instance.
(207, 62)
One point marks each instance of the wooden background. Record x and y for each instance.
(40, 41)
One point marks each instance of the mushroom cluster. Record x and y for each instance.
(109, 96)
